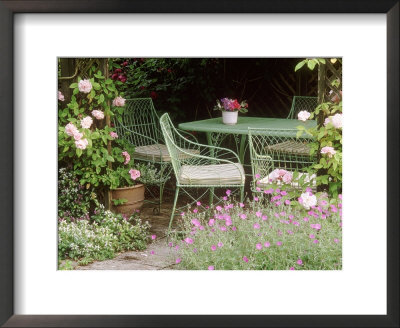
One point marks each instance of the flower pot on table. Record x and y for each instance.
(134, 196)
(229, 118)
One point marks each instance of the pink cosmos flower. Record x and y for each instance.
(258, 214)
(220, 244)
(60, 96)
(330, 151)
(213, 247)
(259, 246)
(84, 86)
(243, 216)
(81, 144)
(189, 240)
(211, 222)
(256, 226)
(303, 115)
(71, 129)
(119, 102)
(211, 267)
(134, 174)
(127, 157)
(178, 260)
(245, 259)
(98, 114)
(228, 192)
(86, 122)
(153, 237)
(267, 244)
(278, 243)
(113, 135)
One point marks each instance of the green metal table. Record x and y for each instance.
(216, 131)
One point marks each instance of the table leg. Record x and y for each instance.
(242, 147)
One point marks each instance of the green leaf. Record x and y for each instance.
(110, 158)
(101, 99)
(322, 60)
(96, 86)
(78, 152)
(73, 85)
(299, 65)
(311, 64)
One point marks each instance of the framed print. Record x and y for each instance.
(33, 292)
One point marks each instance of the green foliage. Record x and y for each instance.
(100, 238)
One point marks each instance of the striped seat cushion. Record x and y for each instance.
(213, 175)
(158, 153)
(290, 147)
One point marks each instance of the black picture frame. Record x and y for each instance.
(7, 11)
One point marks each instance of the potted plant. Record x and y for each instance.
(230, 109)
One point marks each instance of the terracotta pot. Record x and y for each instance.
(134, 195)
(229, 118)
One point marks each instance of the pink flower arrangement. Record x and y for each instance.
(98, 114)
(86, 122)
(330, 151)
(85, 86)
(134, 174)
(119, 102)
(303, 115)
(231, 105)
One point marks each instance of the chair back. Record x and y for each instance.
(301, 103)
(140, 116)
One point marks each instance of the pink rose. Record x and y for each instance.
(113, 135)
(71, 129)
(336, 121)
(78, 136)
(303, 115)
(60, 96)
(84, 86)
(81, 144)
(134, 174)
(287, 178)
(329, 151)
(119, 102)
(86, 122)
(98, 114)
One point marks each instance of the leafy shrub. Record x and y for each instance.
(107, 234)
(274, 232)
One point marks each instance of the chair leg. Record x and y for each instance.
(173, 210)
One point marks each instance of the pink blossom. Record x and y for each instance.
(211, 222)
(256, 199)
(257, 176)
(98, 114)
(196, 222)
(336, 240)
(311, 236)
(127, 157)
(134, 174)
(330, 151)
(195, 210)
(170, 244)
(241, 205)
(81, 144)
(113, 135)
(306, 219)
(222, 228)
(86, 122)
(228, 192)
(264, 218)
(267, 244)
(234, 228)
(256, 226)
(119, 102)
(60, 96)
(278, 243)
(243, 216)
(259, 246)
(258, 214)
(291, 268)
(290, 232)
(219, 208)
(213, 247)
(78, 136)
(182, 214)
(211, 267)
(315, 241)
(225, 198)
(71, 129)
(198, 203)
(245, 259)
(178, 260)
(283, 193)
(299, 262)
(189, 240)
(220, 244)
(153, 237)
(84, 86)
(296, 223)
(303, 115)
(287, 202)
(316, 226)
(194, 250)
(152, 252)
(340, 196)
(287, 178)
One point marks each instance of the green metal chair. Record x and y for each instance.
(280, 149)
(200, 166)
(139, 125)
(300, 103)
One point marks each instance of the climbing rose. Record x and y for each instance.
(134, 174)
(127, 157)
(84, 86)
(307, 201)
(119, 102)
(287, 178)
(60, 96)
(81, 144)
(303, 115)
(113, 135)
(71, 129)
(78, 136)
(336, 120)
(329, 151)
(98, 114)
(86, 122)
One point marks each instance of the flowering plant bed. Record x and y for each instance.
(272, 232)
